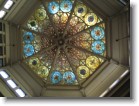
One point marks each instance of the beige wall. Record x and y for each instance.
(119, 29)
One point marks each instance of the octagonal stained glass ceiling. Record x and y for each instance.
(65, 43)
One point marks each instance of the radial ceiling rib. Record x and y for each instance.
(25, 28)
(55, 58)
(71, 64)
(41, 51)
(53, 63)
(84, 50)
(80, 33)
(68, 22)
(50, 17)
(35, 32)
(96, 9)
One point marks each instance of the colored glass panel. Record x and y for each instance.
(83, 72)
(40, 14)
(98, 33)
(28, 37)
(53, 7)
(28, 50)
(69, 77)
(43, 71)
(92, 62)
(34, 62)
(70, 58)
(98, 47)
(32, 24)
(91, 19)
(56, 77)
(80, 10)
(66, 5)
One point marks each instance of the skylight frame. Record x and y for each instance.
(2, 13)
(11, 83)
(7, 5)
(4, 75)
(18, 91)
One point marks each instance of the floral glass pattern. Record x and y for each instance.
(53, 7)
(64, 42)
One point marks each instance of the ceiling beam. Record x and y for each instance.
(83, 31)
(72, 66)
(69, 18)
(123, 10)
(87, 51)
(41, 51)
(52, 66)
(96, 9)
(49, 15)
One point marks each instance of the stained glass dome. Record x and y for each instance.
(64, 42)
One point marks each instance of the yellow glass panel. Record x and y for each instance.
(92, 62)
(34, 62)
(80, 10)
(83, 72)
(91, 19)
(40, 14)
(43, 71)
(64, 18)
(56, 19)
(85, 44)
(74, 21)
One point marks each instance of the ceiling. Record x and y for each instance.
(103, 8)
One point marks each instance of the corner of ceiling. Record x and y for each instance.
(21, 11)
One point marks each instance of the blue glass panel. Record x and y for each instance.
(69, 77)
(28, 37)
(28, 50)
(53, 7)
(98, 47)
(66, 5)
(98, 33)
(56, 77)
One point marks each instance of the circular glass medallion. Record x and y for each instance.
(32, 24)
(69, 77)
(28, 50)
(91, 19)
(34, 62)
(56, 77)
(80, 10)
(53, 7)
(40, 14)
(92, 62)
(98, 47)
(43, 71)
(66, 5)
(28, 37)
(98, 33)
(83, 72)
